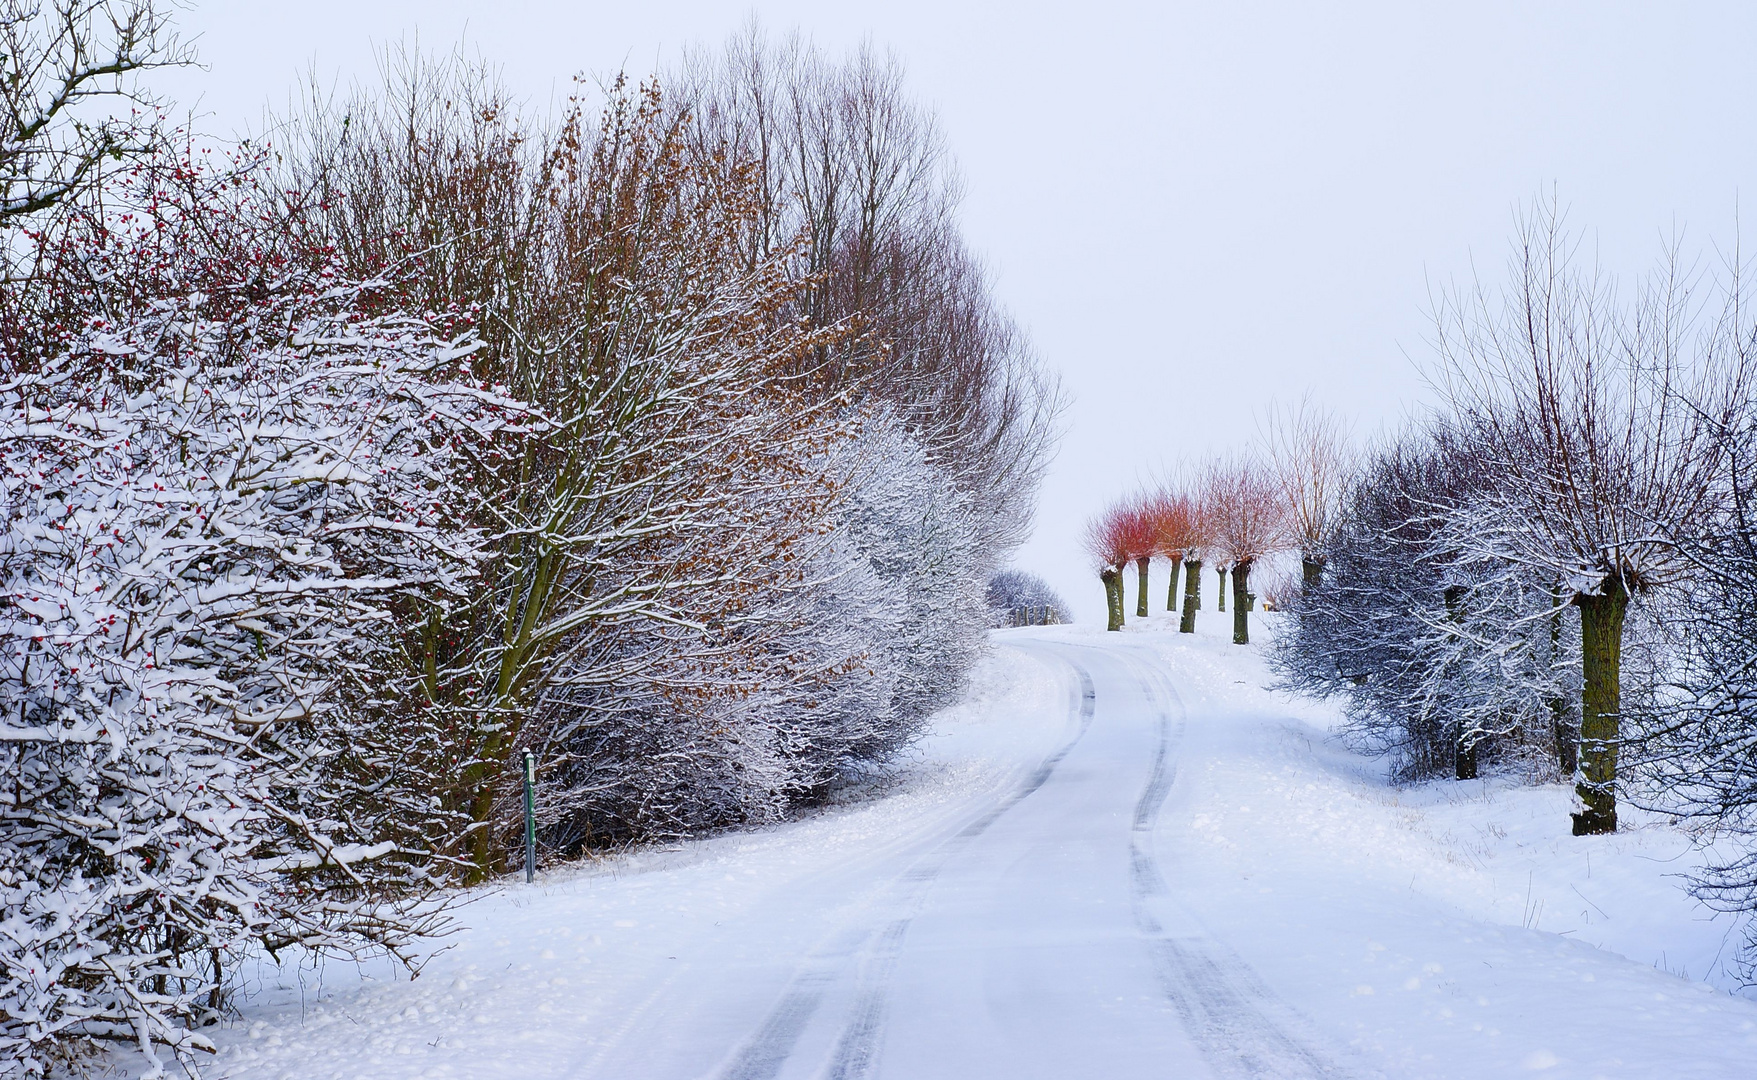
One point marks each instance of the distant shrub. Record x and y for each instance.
(1016, 598)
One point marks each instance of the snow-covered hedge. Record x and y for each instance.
(835, 666)
(1438, 657)
(225, 480)
(314, 520)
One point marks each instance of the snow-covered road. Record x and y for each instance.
(1071, 882)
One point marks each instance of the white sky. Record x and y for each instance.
(1193, 207)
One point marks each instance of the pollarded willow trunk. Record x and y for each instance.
(1567, 739)
(1177, 562)
(1221, 571)
(1601, 704)
(1311, 570)
(1113, 598)
(1141, 566)
(1192, 596)
(1241, 603)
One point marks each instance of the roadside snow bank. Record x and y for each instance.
(1489, 939)
(1500, 850)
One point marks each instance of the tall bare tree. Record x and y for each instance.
(608, 275)
(1169, 510)
(1311, 459)
(1107, 541)
(856, 185)
(1600, 420)
(1249, 520)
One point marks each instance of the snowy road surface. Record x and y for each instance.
(1125, 859)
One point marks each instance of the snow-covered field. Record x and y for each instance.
(1123, 857)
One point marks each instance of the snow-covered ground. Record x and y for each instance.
(1123, 857)
(1443, 929)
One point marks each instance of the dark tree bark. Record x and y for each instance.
(1465, 761)
(1463, 742)
(1220, 571)
(1311, 573)
(1141, 566)
(1241, 603)
(1192, 596)
(1113, 599)
(1177, 562)
(1567, 739)
(1601, 705)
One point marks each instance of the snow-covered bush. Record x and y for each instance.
(230, 482)
(1019, 598)
(1696, 733)
(1439, 656)
(921, 538)
(759, 708)
(678, 544)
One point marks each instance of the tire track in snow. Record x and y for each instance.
(1228, 1011)
(856, 1051)
(1144, 875)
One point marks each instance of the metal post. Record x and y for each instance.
(530, 817)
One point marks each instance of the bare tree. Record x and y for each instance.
(1249, 521)
(685, 462)
(1697, 747)
(66, 65)
(1198, 539)
(1169, 510)
(1141, 541)
(1600, 421)
(1311, 458)
(1107, 541)
(856, 186)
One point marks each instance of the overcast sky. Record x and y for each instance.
(1194, 208)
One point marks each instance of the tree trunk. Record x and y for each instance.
(1141, 566)
(1241, 603)
(1311, 573)
(1221, 571)
(1113, 599)
(484, 859)
(1601, 705)
(1192, 596)
(1465, 758)
(1567, 739)
(1463, 746)
(1177, 562)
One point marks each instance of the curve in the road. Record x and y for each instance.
(1238, 1024)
